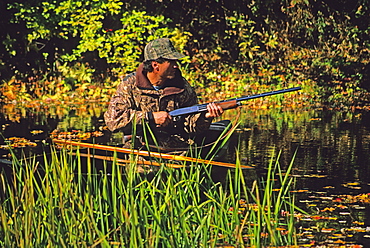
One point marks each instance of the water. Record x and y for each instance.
(331, 148)
(331, 169)
(331, 166)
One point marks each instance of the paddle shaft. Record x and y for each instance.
(125, 161)
(149, 153)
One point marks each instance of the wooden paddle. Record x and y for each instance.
(126, 161)
(150, 154)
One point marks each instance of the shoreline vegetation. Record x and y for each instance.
(63, 202)
(67, 53)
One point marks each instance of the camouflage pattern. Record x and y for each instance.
(136, 98)
(161, 48)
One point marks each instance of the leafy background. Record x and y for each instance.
(53, 50)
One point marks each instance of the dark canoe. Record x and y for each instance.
(211, 149)
(215, 141)
(212, 143)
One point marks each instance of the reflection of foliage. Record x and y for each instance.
(64, 110)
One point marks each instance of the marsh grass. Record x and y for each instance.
(64, 201)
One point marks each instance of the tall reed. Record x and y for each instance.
(270, 219)
(66, 201)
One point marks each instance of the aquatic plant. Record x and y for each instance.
(69, 201)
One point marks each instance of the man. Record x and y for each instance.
(147, 95)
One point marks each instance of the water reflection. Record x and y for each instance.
(331, 146)
(332, 155)
(331, 169)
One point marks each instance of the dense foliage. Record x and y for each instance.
(233, 46)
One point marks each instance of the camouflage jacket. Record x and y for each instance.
(135, 100)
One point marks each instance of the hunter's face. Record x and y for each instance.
(167, 70)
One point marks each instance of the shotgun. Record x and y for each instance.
(226, 104)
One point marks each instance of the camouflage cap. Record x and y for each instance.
(161, 48)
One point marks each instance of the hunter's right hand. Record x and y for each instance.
(162, 118)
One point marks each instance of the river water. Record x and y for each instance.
(331, 152)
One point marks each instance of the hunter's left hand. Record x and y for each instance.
(214, 110)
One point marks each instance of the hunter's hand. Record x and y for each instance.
(162, 118)
(214, 110)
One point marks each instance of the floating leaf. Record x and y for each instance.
(35, 132)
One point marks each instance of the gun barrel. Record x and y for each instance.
(267, 94)
(226, 104)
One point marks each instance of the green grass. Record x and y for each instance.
(64, 201)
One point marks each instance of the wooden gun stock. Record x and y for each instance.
(228, 104)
